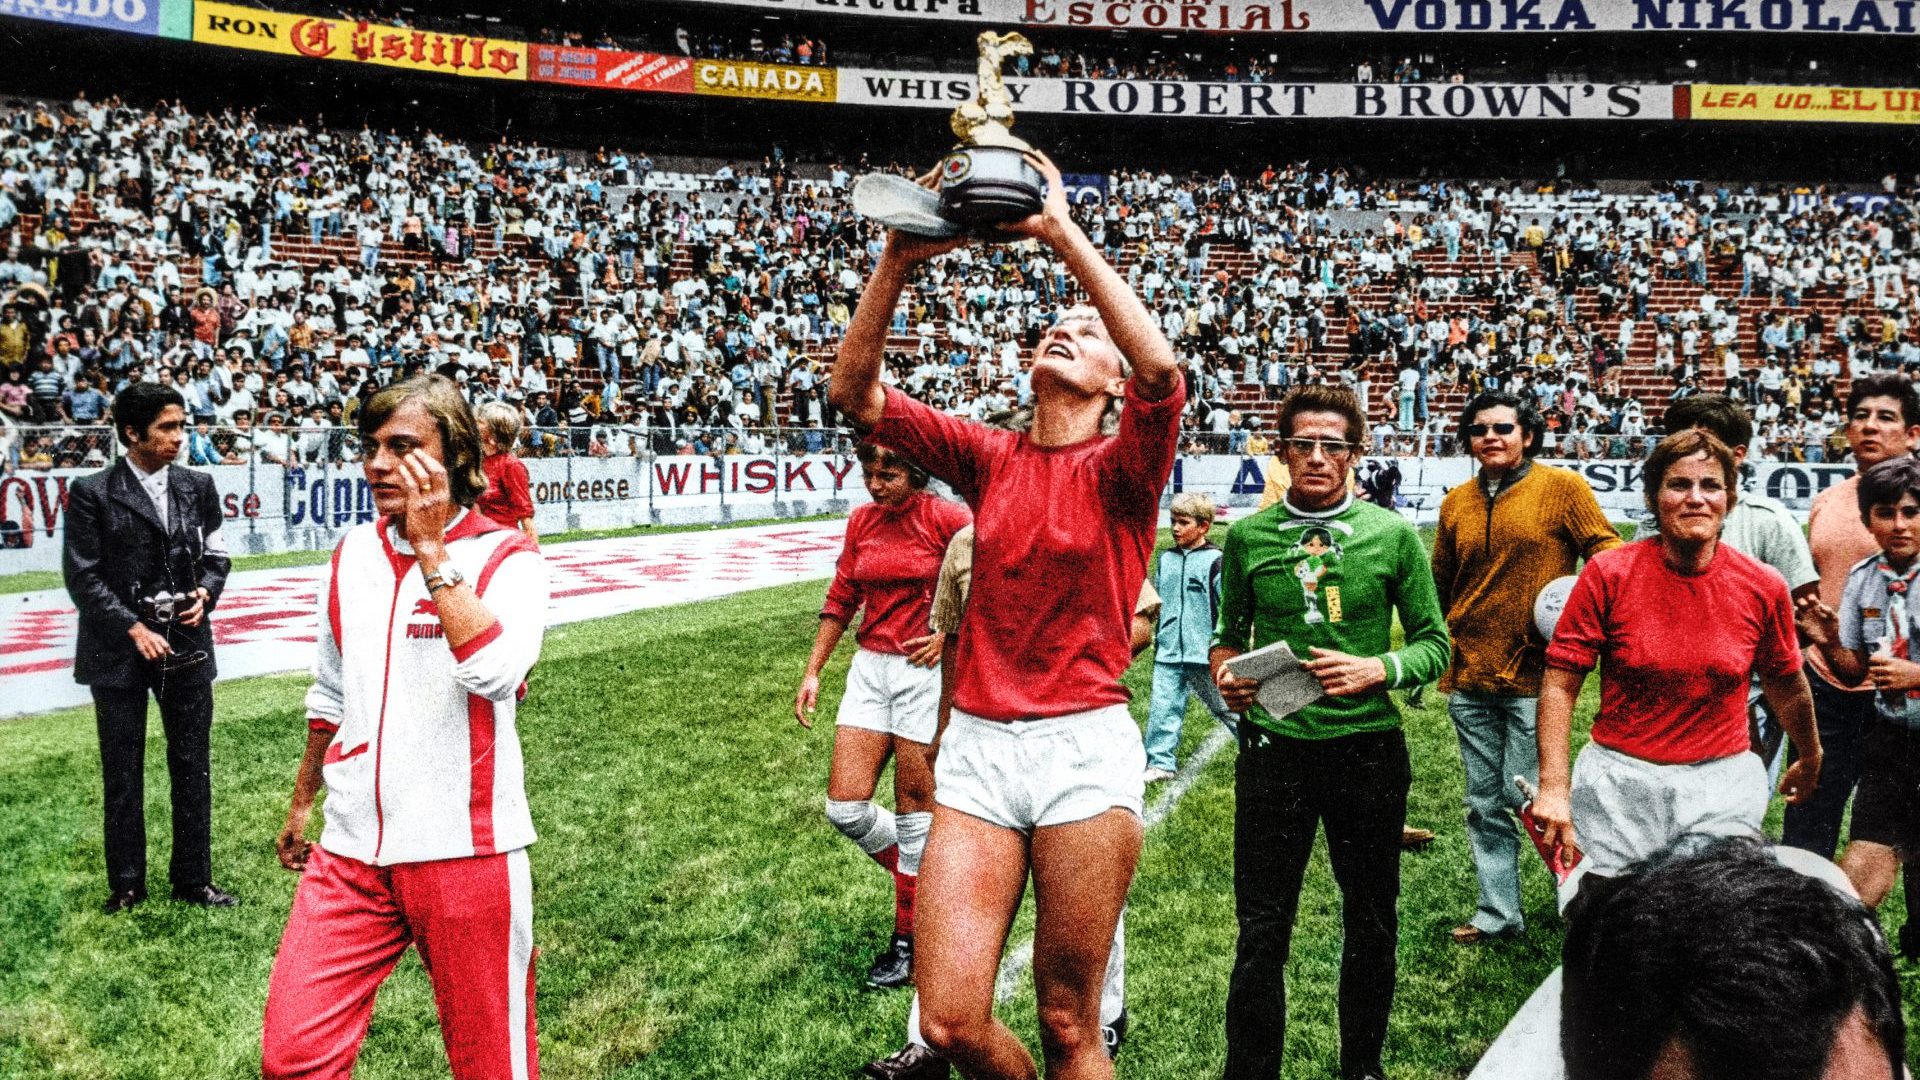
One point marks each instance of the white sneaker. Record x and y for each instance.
(1154, 776)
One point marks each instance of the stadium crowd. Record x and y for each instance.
(280, 274)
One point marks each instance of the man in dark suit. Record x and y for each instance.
(133, 531)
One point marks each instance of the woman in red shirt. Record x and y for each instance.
(1039, 768)
(888, 566)
(508, 498)
(1678, 623)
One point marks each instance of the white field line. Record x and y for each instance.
(1020, 958)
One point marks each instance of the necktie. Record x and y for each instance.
(1899, 629)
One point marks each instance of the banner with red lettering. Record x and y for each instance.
(611, 69)
(357, 41)
(1387, 16)
(1817, 104)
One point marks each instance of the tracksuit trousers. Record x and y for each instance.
(472, 921)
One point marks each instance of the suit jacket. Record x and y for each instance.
(117, 551)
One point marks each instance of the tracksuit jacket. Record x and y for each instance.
(425, 763)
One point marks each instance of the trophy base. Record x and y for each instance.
(985, 186)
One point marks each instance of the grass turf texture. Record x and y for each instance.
(696, 915)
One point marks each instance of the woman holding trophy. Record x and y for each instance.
(1039, 769)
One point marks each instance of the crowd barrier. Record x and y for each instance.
(305, 504)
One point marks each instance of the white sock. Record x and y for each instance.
(912, 830)
(1113, 989)
(913, 1022)
(864, 822)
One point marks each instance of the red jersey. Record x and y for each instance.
(508, 499)
(889, 566)
(1678, 649)
(1062, 535)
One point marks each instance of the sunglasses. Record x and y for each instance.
(1479, 430)
(1330, 447)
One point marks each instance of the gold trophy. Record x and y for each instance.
(987, 179)
(985, 182)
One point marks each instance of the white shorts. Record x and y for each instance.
(1626, 809)
(1030, 774)
(889, 695)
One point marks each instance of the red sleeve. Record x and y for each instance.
(843, 596)
(519, 495)
(1581, 632)
(1777, 652)
(952, 518)
(948, 448)
(1138, 462)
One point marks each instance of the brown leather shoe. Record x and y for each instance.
(1469, 934)
(1411, 837)
(910, 1062)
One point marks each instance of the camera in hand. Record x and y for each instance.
(164, 607)
(161, 610)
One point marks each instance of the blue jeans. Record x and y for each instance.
(1172, 683)
(1498, 741)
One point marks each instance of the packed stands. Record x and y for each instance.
(280, 273)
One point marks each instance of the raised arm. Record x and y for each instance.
(856, 389)
(1128, 322)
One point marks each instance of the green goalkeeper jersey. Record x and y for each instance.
(1333, 580)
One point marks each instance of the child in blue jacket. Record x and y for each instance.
(1188, 579)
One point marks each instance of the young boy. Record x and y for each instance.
(1188, 579)
(1871, 639)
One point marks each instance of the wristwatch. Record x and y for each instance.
(444, 578)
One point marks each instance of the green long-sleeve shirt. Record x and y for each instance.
(1333, 581)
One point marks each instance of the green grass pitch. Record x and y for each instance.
(696, 915)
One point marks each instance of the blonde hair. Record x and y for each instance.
(1194, 504)
(459, 437)
(1021, 418)
(501, 421)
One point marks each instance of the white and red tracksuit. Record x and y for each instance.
(426, 810)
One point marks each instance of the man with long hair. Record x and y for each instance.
(431, 619)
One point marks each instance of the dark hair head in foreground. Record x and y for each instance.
(1721, 963)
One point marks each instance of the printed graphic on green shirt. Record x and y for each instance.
(1319, 556)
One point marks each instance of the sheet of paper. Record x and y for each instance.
(1285, 686)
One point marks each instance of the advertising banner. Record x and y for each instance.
(1817, 104)
(1262, 101)
(1238, 481)
(127, 16)
(1390, 16)
(1086, 189)
(358, 41)
(307, 508)
(611, 69)
(777, 82)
